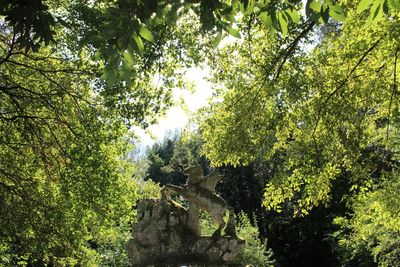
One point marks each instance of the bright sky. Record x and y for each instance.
(176, 117)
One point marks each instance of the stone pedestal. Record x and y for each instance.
(162, 237)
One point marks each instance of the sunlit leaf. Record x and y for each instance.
(316, 6)
(146, 34)
(294, 15)
(265, 19)
(363, 5)
(337, 13)
(376, 12)
(283, 24)
(233, 32)
(138, 42)
(217, 40)
(128, 58)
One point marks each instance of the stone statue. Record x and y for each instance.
(199, 192)
(167, 233)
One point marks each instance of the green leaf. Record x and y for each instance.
(394, 5)
(316, 6)
(363, 5)
(233, 32)
(138, 42)
(265, 19)
(125, 74)
(376, 12)
(110, 75)
(385, 7)
(324, 16)
(248, 7)
(146, 34)
(294, 15)
(230, 17)
(337, 8)
(336, 12)
(217, 40)
(171, 16)
(234, 3)
(129, 58)
(283, 24)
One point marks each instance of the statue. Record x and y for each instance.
(167, 233)
(199, 192)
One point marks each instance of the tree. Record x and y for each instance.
(169, 158)
(66, 193)
(372, 232)
(133, 40)
(321, 110)
(62, 187)
(299, 113)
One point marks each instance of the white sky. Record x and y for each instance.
(176, 117)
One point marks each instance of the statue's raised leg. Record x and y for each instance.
(218, 219)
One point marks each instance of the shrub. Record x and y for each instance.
(256, 252)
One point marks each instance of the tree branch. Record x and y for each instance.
(287, 52)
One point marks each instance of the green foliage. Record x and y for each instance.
(328, 114)
(73, 74)
(207, 226)
(374, 228)
(134, 40)
(170, 157)
(64, 192)
(31, 21)
(148, 189)
(300, 115)
(131, 37)
(255, 252)
(135, 16)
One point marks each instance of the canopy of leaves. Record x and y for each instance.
(322, 111)
(62, 186)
